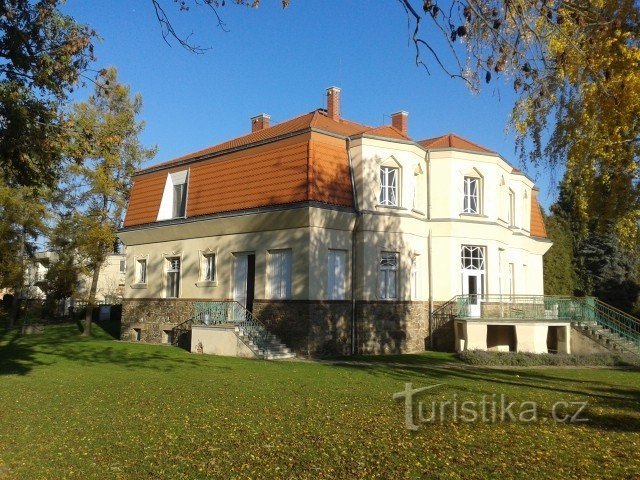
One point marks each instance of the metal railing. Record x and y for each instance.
(616, 320)
(587, 310)
(227, 312)
(522, 307)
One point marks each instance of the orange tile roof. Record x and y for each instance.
(271, 175)
(451, 140)
(537, 228)
(317, 120)
(387, 131)
(144, 202)
(294, 161)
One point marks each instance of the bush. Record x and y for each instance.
(521, 359)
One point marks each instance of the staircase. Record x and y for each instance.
(247, 327)
(612, 328)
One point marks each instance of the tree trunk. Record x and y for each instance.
(17, 291)
(92, 301)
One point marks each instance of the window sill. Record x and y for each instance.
(390, 207)
(419, 212)
(207, 283)
(138, 285)
(473, 215)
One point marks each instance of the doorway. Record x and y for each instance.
(244, 279)
(472, 287)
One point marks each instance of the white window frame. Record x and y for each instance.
(387, 271)
(203, 256)
(179, 207)
(123, 266)
(279, 273)
(336, 274)
(170, 269)
(468, 195)
(209, 273)
(472, 257)
(141, 271)
(389, 193)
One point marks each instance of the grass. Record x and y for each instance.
(96, 408)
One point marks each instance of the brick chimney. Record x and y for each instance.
(399, 120)
(333, 103)
(259, 122)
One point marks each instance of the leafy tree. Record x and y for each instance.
(63, 274)
(22, 220)
(559, 274)
(42, 55)
(573, 65)
(107, 151)
(610, 271)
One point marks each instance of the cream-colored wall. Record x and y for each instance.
(224, 246)
(448, 169)
(405, 229)
(530, 336)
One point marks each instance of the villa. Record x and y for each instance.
(336, 238)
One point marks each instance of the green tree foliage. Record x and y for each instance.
(22, 219)
(42, 55)
(107, 151)
(559, 273)
(603, 265)
(574, 67)
(609, 270)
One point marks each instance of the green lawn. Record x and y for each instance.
(97, 408)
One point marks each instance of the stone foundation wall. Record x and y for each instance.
(392, 327)
(309, 328)
(153, 316)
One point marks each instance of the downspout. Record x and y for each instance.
(354, 251)
(429, 251)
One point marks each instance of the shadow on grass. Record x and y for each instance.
(610, 405)
(20, 354)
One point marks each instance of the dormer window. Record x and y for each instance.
(389, 186)
(174, 198)
(471, 199)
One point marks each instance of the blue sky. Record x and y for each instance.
(280, 62)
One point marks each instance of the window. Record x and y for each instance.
(123, 266)
(279, 274)
(511, 212)
(173, 277)
(389, 186)
(336, 274)
(472, 257)
(415, 277)
(209, 267)
(471, 202)
(174, 197)
(141, 271)
(388, 275)
(179, 199)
